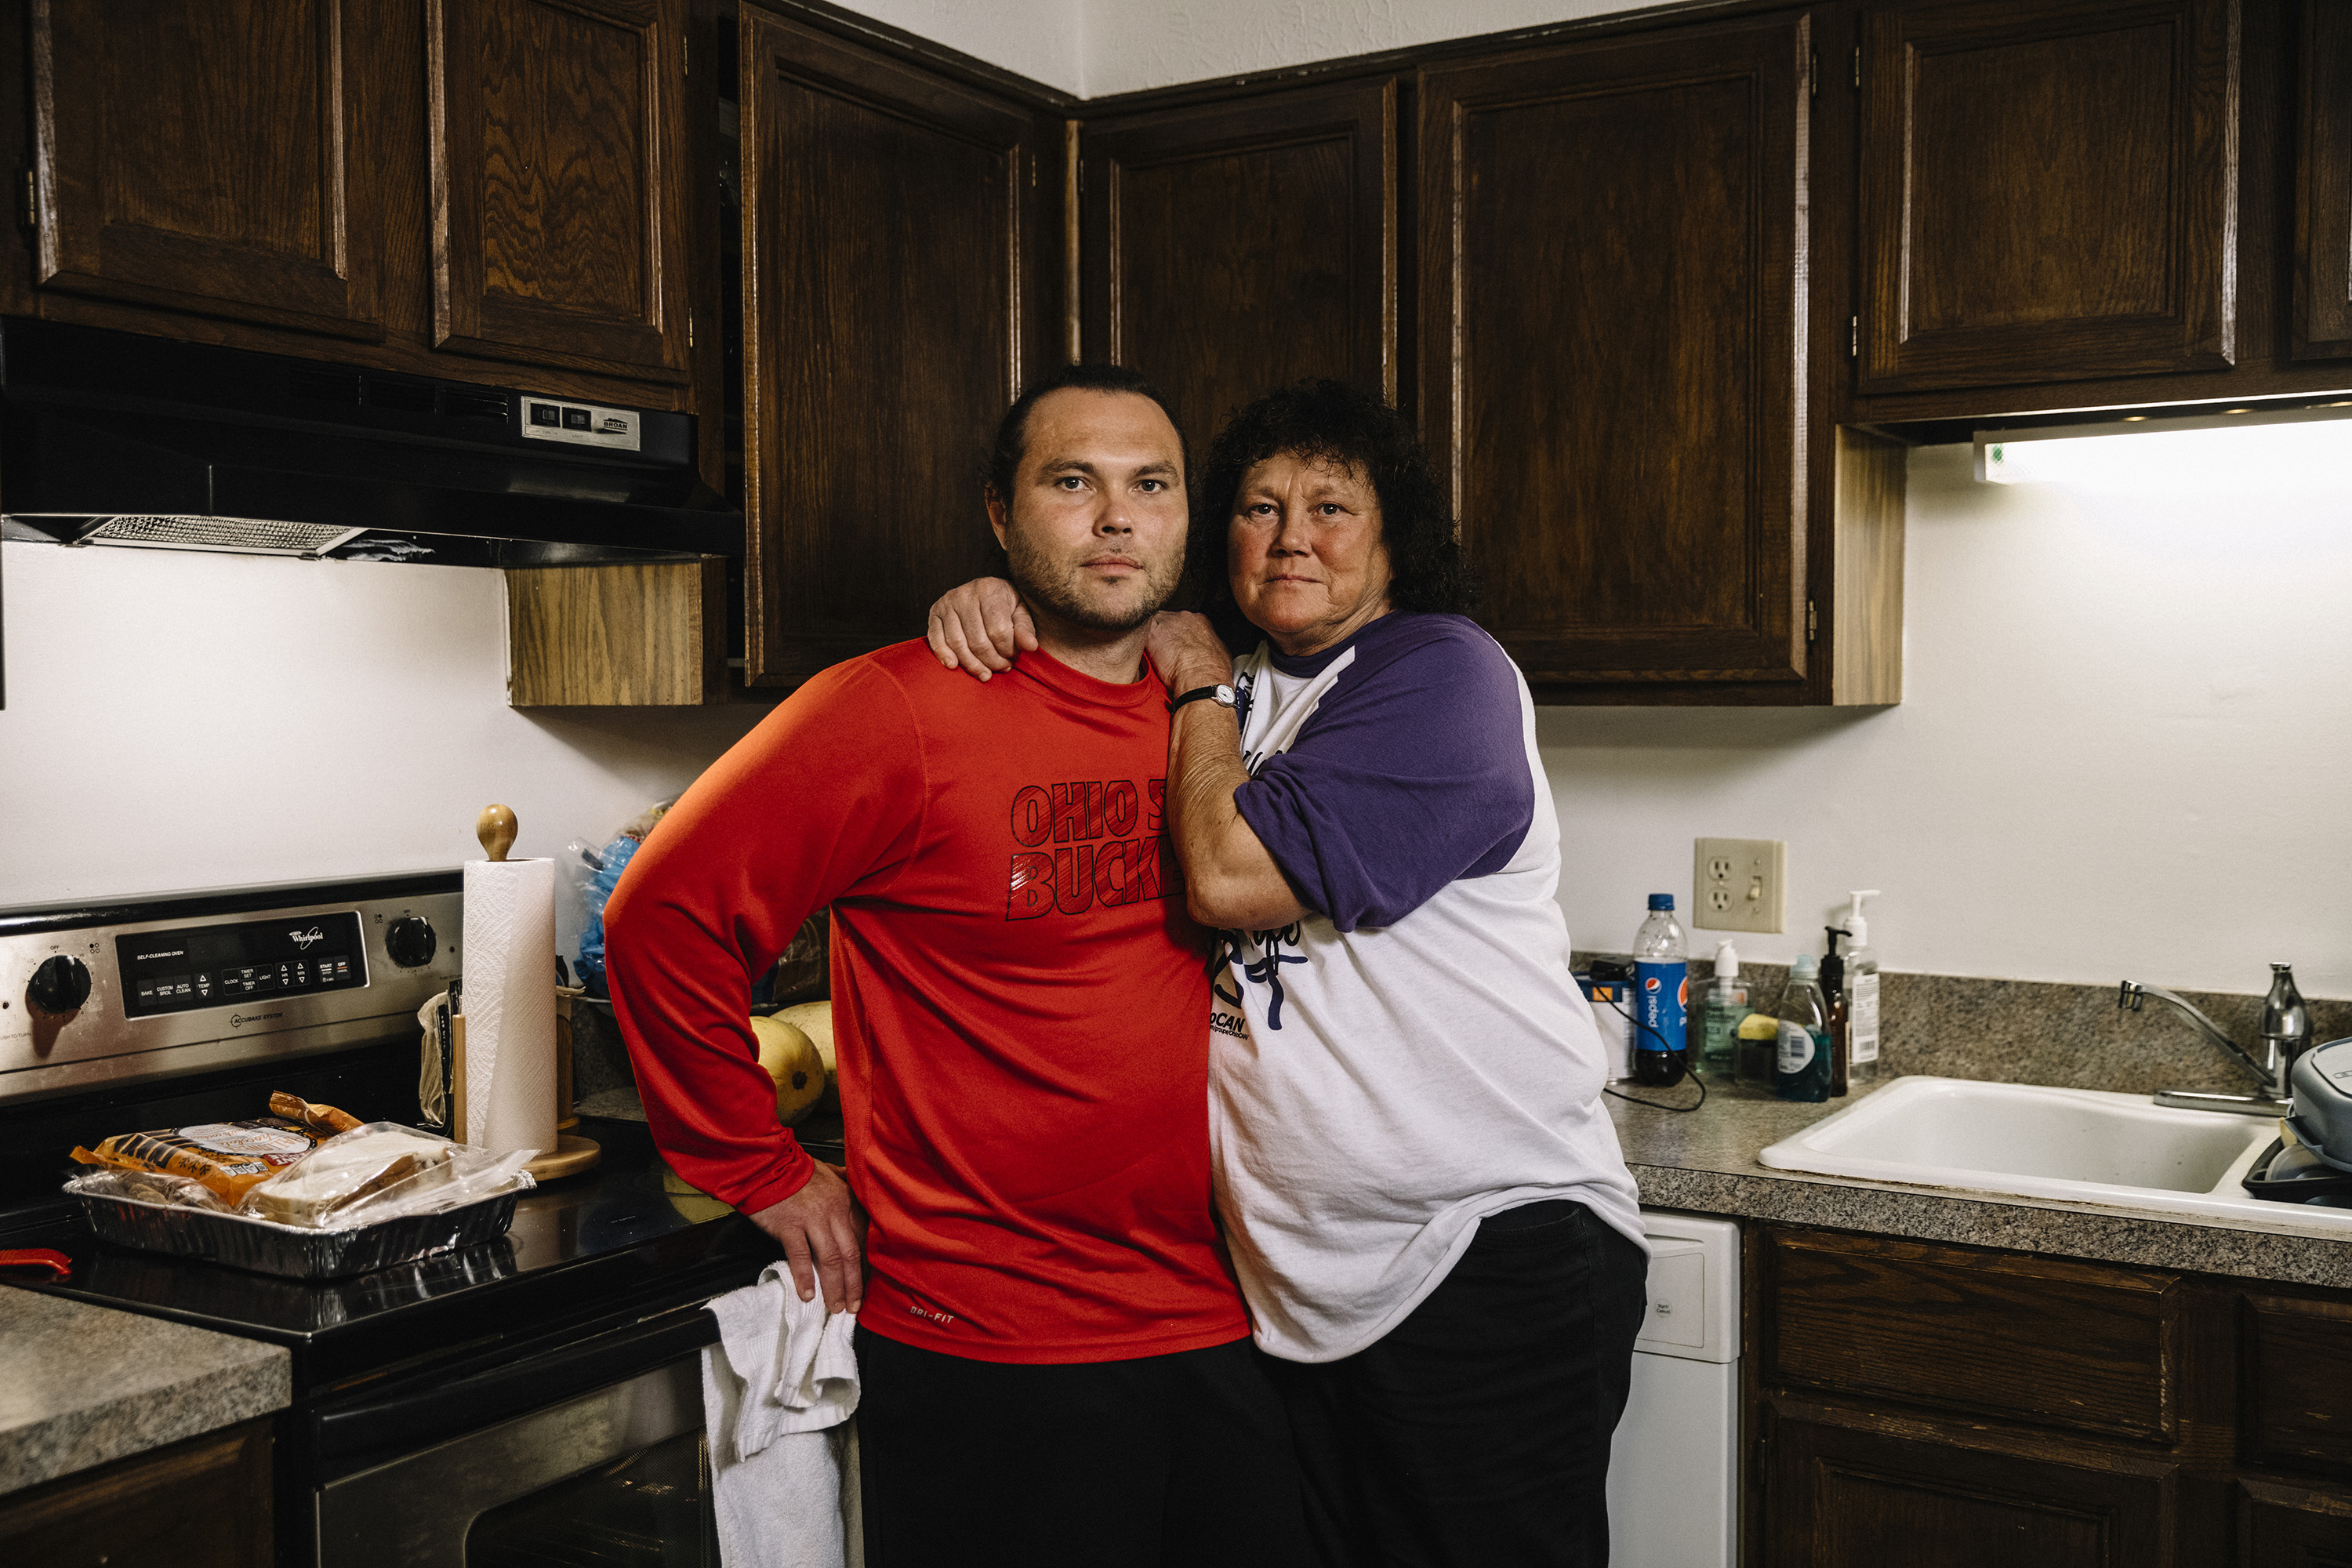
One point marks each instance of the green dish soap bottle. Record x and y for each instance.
(1802, 1069)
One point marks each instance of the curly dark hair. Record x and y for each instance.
(1331, 422)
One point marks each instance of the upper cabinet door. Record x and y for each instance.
(2049, 191)
(559, 143)
(2323, 225)
(1241, 246)
(1612, 366)
(207, 156)
(889, 230)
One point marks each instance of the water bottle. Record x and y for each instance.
(1661, 997)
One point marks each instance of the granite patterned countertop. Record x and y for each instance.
(1704, 1163)
(80, 1385)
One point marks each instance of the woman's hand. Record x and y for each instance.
(1187, 652)
(981, 626)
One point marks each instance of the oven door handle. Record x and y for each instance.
(409, 1418)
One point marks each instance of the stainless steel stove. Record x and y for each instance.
(536, 1398)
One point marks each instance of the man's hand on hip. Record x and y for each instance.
(822, 1230)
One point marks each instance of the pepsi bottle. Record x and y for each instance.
(1661, 997)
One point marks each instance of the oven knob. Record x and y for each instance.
(59, 985)
(410, 941)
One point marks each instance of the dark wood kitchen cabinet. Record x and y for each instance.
(215, 156)
(893, 260)
(1925, 1403)
(1616, 320)
(559, 151)
(1239, 245)
(2049, 191)
(498, 191)
(203, 1503)
(2322, 221)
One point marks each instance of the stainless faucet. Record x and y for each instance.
(2286, 1034)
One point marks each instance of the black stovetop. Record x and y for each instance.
(584, 1252)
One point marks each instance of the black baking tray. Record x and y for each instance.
(291, 1251)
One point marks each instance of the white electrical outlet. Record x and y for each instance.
(1737, 883)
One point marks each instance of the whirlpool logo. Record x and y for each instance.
(303, 939)
(239, 1020)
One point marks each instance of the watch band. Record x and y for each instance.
(1222, 695)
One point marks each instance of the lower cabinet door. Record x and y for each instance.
(1860, 1496)
(2282, 1526)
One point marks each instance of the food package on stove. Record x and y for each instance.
(382, 1171)
(147, 1187)
(230, 1158)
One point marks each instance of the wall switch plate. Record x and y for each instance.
(1737, 883)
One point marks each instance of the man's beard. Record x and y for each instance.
(1045, 583)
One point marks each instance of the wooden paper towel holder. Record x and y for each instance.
(572, 1153)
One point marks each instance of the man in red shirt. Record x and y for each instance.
(1056, 1359)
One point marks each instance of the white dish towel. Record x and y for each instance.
(778, 1391)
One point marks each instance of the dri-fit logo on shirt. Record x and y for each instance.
(1077, 849)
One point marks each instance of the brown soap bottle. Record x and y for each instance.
(1834, 994)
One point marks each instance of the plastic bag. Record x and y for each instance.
(147, 1187)
(611, 862)
(228, 1158)
(597, 872)
(382, 1171)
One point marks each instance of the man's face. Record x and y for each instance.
(1095, 526)
(1304, 551)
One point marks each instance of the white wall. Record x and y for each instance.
(184, 720)
(1096, 48)
(2125, 751)
(1136, 44)
(1040, 39)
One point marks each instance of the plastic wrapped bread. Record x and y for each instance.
(229, 1158)
(323, 1189)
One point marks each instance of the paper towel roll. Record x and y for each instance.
(510, 1005)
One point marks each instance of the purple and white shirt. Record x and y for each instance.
(1386, 1073)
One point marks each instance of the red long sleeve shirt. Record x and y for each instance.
(1020, 1002)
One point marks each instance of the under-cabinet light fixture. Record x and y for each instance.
(2288, 448)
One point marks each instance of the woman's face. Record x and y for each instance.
(1304, 551)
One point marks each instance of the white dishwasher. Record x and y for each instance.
(1674, 1466)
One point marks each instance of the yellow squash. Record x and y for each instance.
(816, 1020)
(791, 1058)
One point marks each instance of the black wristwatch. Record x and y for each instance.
(1222, 695)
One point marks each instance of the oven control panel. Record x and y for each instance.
(123, 992)
(212, 965)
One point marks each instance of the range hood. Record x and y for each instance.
(112, 438)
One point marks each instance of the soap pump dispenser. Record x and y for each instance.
(1860, 994)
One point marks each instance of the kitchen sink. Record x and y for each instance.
(2079, 1145)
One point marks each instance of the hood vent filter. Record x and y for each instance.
(254, 536)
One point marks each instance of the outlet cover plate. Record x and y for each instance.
(1737, 884)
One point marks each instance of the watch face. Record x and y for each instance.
(1225, 694)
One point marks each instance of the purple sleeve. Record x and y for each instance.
(1412, 773)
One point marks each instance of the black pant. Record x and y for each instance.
(1476, 1431)
(1171, 1461)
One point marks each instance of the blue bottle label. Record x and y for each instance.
(1662, 993)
